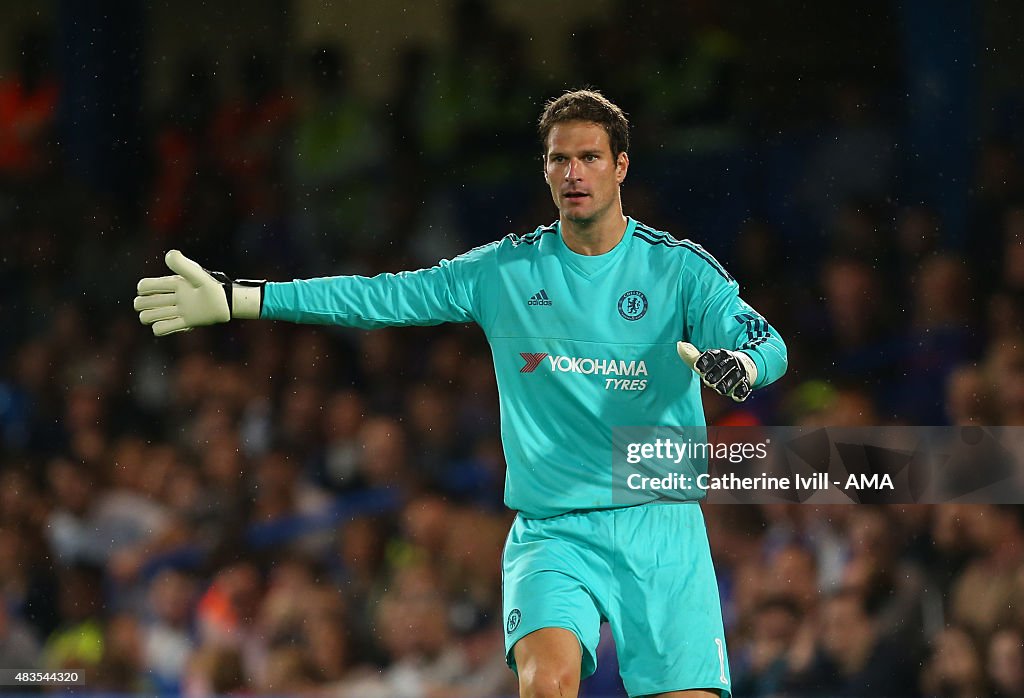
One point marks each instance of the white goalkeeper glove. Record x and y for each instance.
(730, 373)
(194, 297)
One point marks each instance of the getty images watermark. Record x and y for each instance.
(824, 465)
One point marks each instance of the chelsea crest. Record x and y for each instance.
(633, 305)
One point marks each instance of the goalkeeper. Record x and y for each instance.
(594, 321)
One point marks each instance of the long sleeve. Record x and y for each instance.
(447, 292)
(717, 318)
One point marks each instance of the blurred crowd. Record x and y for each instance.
(263, 508)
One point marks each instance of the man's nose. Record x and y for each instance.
(572, 171)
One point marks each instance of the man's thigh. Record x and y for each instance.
(554, 575)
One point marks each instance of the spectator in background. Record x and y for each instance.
(736, 532)
(427, 520)
(280, 492)
(475, 540)
(852, 293)
(852, 658)
(760, 253)
(226, 618)
(430, 409)
(385, 455)
(78, 642)
(167, 640)
(303, 621)
(291, 586)
(336, 465)
(72, 527)
(941, 337)
(988, 595)
(360, 559)
(1012, 258)
(484, 672)
(218, 509)
(1005, 317)
(327, 647)
(288, 673)
(918, 236)
(893, 589)
(129, 510)
(379, 352)
(955, 668)
(792, 573)
(23, 516)
(941, 294)
(308, 365)
(860, 230)
(19, 648)
(762, 663)
(999, 189)
(297, 427)
(968, 397)
(1004, 372)
(479, 478)
(478, 412)
(215, 671)
(122, 668)
(1005, 663)
(415, 635)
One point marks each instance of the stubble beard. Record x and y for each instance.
(585, 221)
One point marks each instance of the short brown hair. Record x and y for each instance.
(586, 105)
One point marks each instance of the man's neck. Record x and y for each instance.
(593, 237)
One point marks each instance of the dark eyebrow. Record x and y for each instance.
(584, 153)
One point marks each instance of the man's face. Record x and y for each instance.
(583, 176)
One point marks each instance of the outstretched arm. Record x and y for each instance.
(194, 297)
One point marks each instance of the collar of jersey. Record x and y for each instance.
(591, 265)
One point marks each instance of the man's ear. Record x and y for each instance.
(621, 167)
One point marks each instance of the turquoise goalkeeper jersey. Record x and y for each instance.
(581, 344)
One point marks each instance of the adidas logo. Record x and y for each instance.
(539, 298)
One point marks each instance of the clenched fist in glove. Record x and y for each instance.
(730, 373)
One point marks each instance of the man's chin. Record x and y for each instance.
(578, 217)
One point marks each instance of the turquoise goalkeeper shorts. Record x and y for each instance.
(646, 570)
